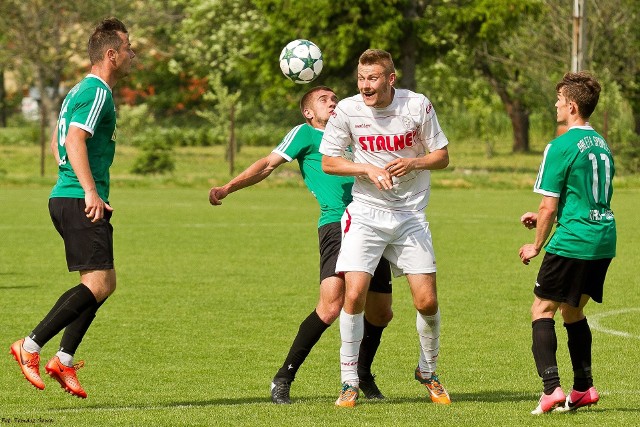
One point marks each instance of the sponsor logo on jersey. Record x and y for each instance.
(605, 214)
(387, 142)
(407, 122)
(429, 108)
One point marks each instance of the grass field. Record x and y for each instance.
(209, 300)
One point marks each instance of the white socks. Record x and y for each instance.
(351, 334)
(30, 346)
(65, 358)
(429, 333)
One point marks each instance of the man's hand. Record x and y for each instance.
(95, 206)
(381, 178)
(400, 167)
(529, 220)
(527, 252)
(216, 194)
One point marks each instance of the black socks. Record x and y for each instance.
(368, 348)
(69, 307)
(579, 342)
(545, 345)
(310, 331)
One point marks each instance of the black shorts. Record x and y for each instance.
(565, 280)
(329, 238)
(88, 245)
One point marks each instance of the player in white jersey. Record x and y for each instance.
(396, 141)
(333, 194)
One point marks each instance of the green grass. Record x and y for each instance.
(209, 300)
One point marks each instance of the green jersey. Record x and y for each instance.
(88, 106)
(577, 167)
(332, 192)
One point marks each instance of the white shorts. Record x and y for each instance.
(403, 238)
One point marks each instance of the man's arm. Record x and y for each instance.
(252, 175)
(544, 223)
(54, 145)
(341, 166)
(76, 145)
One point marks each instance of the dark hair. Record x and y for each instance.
(581, 88)
(378, 57)
(105, 36)
(306, 98)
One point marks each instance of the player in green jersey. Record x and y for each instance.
(83, 144)
(576, 183)
(333, 194)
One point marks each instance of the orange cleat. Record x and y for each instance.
(437, 391)
(66, 376)
(29, 364)
(348, 396)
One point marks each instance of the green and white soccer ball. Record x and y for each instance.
(301, 61)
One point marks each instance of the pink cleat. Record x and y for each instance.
(549, 402)
(578, 399)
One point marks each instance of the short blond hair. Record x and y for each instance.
(378, 57)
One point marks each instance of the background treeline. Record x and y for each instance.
(207, 70)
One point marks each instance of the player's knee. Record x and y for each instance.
(427, 307)
(379, 317)
(329, 312)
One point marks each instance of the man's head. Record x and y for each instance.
(317, 104)
(376, 77)
(578, 94)
(110, 42)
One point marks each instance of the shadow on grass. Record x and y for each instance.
(16, 286)
(490, 396)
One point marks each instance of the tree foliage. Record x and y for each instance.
(484, 57)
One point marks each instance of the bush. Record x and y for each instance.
(154, 159)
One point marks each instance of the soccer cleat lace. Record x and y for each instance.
(29, 364)
(348, 396)
(66, 376)
(280, 391)
(549, 402)
(437, 391)
(369, 387)
(578, 399)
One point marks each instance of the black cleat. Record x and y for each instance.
(369, 388)
(280, 391)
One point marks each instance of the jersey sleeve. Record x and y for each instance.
(552, 173)
(294, 143)
(89, 108)
(337, 136)
(430, 130)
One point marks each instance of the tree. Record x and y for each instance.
(49, 37)
(613, 37)
(493, 34)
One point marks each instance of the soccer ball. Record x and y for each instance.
(301, 61)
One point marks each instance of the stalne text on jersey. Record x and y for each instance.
(387, 142)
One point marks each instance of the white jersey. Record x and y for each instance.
(407, 128)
